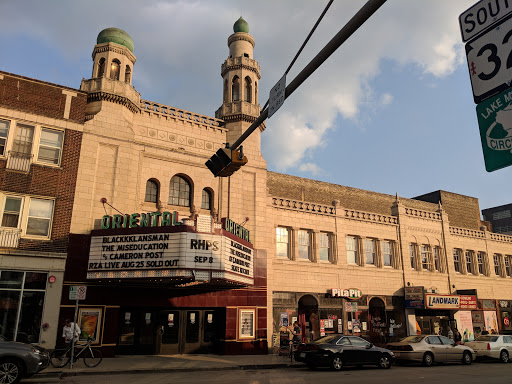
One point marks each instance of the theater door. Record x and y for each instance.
(187, 331)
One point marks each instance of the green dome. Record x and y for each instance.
(241, 26)
(115, 35)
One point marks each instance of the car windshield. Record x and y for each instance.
(326, 340)
(412, 339)
(487, 338)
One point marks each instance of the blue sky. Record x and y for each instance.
(391, 111)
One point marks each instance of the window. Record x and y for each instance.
(101, 67)
(508, 266)
(128, 75)
(151, 191)
(304, 244)
(434, 340)
(23, 141)
(206, 199)
(426, 257)
(352, 254)
(50, 146)
(481, 263)
(412, 255)
(4, 134)
(437, 259)
(115, 69)
(456, 260)
(179, 192)
(387, 253)
(282, 242)
(39, 217)
(497, 266)
(12, 210)
(235, 89)
(22, 295)
(248, 89)
(255, 92)
(324, 246)
(369, 250)
(469, 262)
(226, 91)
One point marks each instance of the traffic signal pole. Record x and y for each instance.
(353, 25)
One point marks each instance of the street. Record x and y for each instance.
(488, 373)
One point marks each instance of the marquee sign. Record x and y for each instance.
(156, 253)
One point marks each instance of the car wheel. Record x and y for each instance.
(428, 359)
(467, 358)
(11, 371)
(384, 362)
(504, 356)
(337, 363)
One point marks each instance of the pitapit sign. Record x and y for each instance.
(495, 122)
(351, 293)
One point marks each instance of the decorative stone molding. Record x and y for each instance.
(241, 36)
(303, 206)
(422, 214)
(420, 229)
(500, 237)
(103, 88)
(233, 63)
(112, 47)
(467, 232)
(368, 216)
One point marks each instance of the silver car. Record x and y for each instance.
(493, 346)
(429, 349)
(20, 360)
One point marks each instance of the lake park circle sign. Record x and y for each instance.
(495, 123)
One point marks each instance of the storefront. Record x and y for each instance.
(505, 316)
(159, 286)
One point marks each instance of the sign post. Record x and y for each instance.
(75, 293)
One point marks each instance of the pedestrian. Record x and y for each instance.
(457, 337)
(440, 333)
(450, 333)
(485, 332)
(296, 333)
(70, 332)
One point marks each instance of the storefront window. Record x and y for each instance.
(22, 296)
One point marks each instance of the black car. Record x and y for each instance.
(20, 360)
(338, 351)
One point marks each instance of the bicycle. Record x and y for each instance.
(92, 357)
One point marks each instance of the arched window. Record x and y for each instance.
(255, 92)
(248, 89)
(179, 192)
(101, 67)
(235, 88)
(114, 69)
(226, 91)
(206, 199)
(151, 191)
(128, 75)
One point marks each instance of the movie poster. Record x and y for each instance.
(89, 323)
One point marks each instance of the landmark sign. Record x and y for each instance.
(481, 16)
(490, 60)
(495, 122)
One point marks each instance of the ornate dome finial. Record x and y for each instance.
(241, 26)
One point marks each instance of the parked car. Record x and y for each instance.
(429, 349)
(337, 351)
(20, 360)
(493, 346)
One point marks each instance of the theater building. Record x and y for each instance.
(173, 259)
(41, 128)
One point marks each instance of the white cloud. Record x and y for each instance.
(386, 99)
(310, 168)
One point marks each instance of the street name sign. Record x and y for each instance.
(481, 16)
(495, 123)
(77, 292)
(490, 61)
(277, 96)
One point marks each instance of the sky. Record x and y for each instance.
(390, 111)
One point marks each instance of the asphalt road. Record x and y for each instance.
(483, 373)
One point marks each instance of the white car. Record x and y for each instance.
(494, 346)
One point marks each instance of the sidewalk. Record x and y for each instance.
(172, 363)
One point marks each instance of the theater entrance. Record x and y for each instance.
(188, 331)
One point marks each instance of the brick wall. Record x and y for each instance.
(51, 182)
(42, 98)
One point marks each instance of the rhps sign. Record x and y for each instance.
(140, 220)
(351, 293)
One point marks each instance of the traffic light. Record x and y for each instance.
(226, 161)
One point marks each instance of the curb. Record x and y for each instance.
(62, 374)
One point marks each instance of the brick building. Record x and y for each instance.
(40, 138)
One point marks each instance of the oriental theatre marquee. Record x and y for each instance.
(197, 249)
